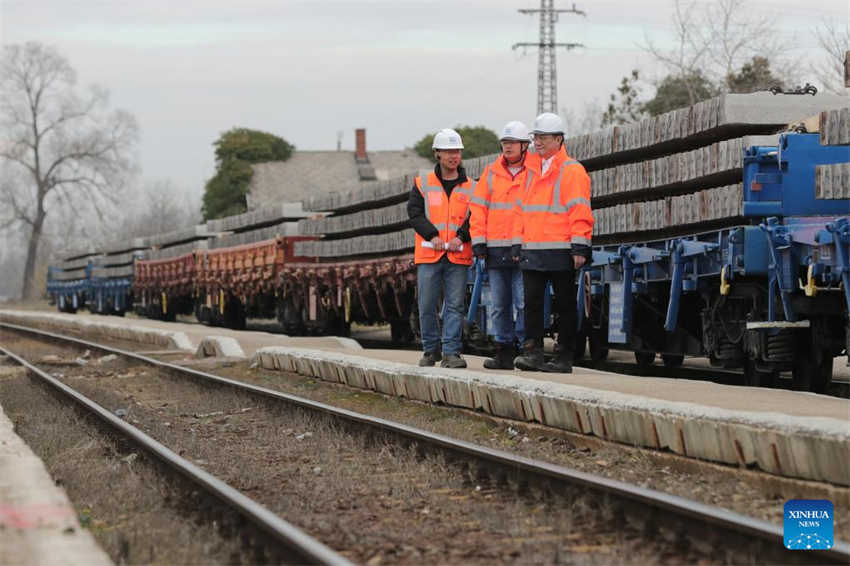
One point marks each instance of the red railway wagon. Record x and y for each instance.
(325, 298)
(242, 281)
(164, 288)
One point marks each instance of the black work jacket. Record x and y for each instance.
(416, 207)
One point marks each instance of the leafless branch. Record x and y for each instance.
(834, 41)
(61, 141)
(717, 38)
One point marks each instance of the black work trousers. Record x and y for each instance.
(564, 285)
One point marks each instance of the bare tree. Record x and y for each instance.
(834, 40)
(584, 120)
(71, 151)
(162, 208)
(716, 39)
(734, 34)
(687, 58)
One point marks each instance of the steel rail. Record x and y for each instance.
(303, 548)
(679, 507)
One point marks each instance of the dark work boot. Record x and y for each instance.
(504, 358)
(428, 359)
(531, 358)
(563, 363)
(453, 361)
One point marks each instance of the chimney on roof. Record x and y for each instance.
(360, 144)
(364, 169)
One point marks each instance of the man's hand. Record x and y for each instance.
(454, 244)
(579, 260)
(438, 243)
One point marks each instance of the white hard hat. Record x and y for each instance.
(548, 123)
(515, 131)
(447, 138)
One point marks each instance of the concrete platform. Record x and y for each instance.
(38, 524)
(177, 335)
(789, 433)
(99, 327)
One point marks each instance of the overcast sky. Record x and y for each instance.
(305, 70)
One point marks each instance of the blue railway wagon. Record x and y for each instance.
(110, 295)
(68, 293)
(769, 295)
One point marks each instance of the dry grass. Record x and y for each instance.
(136, 514)
(380, 503)
(374, 500)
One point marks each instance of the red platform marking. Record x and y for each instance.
(27, 516)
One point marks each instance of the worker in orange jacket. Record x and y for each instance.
(554, 226)
(438, 208)
(492, 223)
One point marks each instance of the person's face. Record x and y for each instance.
(546, 144)
(449, 158)
(511, 149)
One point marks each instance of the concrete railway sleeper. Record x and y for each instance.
(690, 527)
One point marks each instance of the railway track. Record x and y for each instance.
(289, 541)
(656, 514)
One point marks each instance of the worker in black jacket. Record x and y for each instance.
(439, 214)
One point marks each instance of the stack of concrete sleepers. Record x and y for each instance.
(251, 236)
(368, 220)
(117, 259)
(178, 249)
(833, 181)
(126, 246)
(722, 117)
(671, 173)
(834, 126)
(74, 263)
(271, 215)
(666, 174)
(369, 195)
(375, 244)
(179, 242)
(380, 193)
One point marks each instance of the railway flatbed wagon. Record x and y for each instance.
(242, 281)
(768, 292)
(68, 289)
(325, 298)
(111, 290)
(164, 288)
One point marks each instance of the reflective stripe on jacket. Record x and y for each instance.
(493, 212)
(554, 214)
(447, 214)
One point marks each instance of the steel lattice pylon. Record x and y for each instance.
(547, 71)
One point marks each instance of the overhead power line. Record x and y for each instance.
(547, 72)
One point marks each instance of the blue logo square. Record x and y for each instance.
(808, 524)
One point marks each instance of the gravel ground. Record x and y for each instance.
(750, 492)
(136, 514)
(368, 497)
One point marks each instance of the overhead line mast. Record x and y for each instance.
(547, 74)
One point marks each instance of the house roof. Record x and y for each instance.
(310, 173)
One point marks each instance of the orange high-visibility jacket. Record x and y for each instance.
(555, 220)
(447, 214)
(493, 210)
